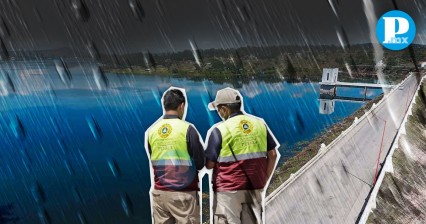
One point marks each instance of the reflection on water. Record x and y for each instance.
(73, 150)
(327, 102)
(330, 93)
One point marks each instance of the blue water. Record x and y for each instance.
(74, 151)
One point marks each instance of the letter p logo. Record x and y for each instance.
(390, 28)
(395, 30)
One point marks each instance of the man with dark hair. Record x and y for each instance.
(242, 153)
(173, 99)
(176, 155)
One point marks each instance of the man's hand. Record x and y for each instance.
(210, 164)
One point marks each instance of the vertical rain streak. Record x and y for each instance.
(84, 124)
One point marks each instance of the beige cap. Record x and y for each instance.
(225, 96)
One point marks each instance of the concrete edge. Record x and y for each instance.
(388, 165)
(323, 151)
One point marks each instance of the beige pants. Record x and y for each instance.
(175, 207)
(235, 207)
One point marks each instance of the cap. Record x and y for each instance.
(225, 96)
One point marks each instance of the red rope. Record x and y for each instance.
(380, 152)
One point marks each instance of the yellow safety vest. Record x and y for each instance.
(246, 136)
(167, 139)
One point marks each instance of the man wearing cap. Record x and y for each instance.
(176, 155)
(242, 153)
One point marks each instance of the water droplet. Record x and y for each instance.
(331, 3)
(6, 85)
(94, 128)
(149, 61)
(18, 128)
(137, 9)
(114, 167)
(300, 122)
(4, 29)
(4, 53)
(93, 50)
(83, 157)
(126, 204)
(77, 196)
(157, 96)
(81, 218)
(63, 72)
(44, 217)
(38, 15)
(25, 155)
(196, 53)
(68, 167)
(38, 193)
(55, 125)
(26, 165)
(100, 78)
(62, 145)
(80, 10)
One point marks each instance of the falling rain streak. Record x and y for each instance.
(80, 10)
(63, 72)
(137, 9)
(74, 107)
(90, 135)
(126, 204)
(94, 128)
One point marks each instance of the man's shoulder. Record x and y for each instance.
(244, 116)
(214, 128)
(218, 125)
(161, 121)
(254, 117)
(190, 127)
(188, 123)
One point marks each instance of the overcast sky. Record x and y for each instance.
(168, 25)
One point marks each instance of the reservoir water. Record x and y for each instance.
(72, 144)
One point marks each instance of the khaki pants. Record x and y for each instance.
(235, 207)
(175, 207)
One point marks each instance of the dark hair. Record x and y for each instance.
(233, 107)
(172, 99)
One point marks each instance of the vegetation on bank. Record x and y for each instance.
(271, 64)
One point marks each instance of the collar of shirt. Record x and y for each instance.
(170, 116)
(235, 114)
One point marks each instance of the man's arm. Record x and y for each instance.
(271, 159)
(149, 149)
(195, 148)
(214, 146)
(271, 154)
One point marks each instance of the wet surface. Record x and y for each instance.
(73, 152)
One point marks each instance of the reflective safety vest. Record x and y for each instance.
(167, 139)
(170, 159)
(247, 136)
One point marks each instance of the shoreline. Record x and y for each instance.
(262, 75)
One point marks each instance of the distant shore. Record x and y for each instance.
(391, 75)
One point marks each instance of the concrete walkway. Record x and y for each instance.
(333, 186)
